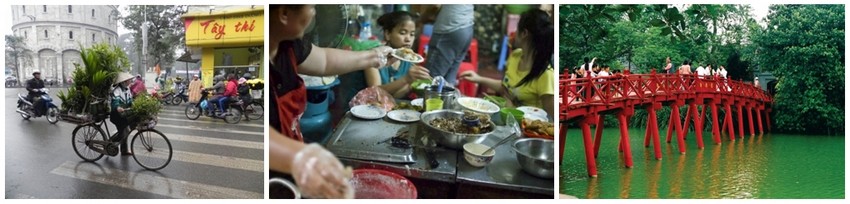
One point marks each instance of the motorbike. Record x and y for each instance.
(27, 109)
(176, 98)
(232, 114)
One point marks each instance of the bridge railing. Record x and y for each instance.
(579, 92)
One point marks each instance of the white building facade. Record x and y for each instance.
(53, 35)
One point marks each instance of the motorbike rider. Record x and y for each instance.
(122, 98)
(229, 93)
(217, 90)
(34, 87)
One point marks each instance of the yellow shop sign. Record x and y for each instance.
(243, 28)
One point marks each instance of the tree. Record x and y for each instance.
(803, 46)
(128, 45)
(16, 51)
(166, 32)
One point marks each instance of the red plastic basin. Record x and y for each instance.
(380, 184)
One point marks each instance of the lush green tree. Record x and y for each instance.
(165, 34)
(803, 46)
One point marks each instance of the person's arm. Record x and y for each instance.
(548, 102)
(493, 84)
(282, 151)
(30, 85)
(329, 61)
(316, 171)
(401, 87)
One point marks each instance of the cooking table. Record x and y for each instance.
(359, 144)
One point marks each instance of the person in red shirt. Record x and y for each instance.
(138, 86)
(229, 92)
(317, 172)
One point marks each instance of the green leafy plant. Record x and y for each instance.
(93, 79)
(144, 107)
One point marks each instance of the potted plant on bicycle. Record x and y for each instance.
(144, 111)
(86, 100)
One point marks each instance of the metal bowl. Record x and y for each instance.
(450, 139)
(283, 189)
(536, 156)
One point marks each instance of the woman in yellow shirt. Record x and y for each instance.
(529, 80)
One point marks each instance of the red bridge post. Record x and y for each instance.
(759, 110)
(740, 119)
(728, 121)
(623, 117)
(715, 130)
(678, 124)
(750, 119)
(588, 147)
(653, 129)
(600, 121)
(697, 124)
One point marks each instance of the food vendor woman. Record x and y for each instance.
(528, 81)
(317, 172)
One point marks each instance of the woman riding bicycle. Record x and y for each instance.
(122, 99)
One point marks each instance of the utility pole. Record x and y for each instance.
(144, 42)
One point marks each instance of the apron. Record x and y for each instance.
(292, 104)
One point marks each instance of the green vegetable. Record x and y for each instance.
(418, 84)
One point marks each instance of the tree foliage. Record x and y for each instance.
(16, 53)
(803, 46)
(642, 36)
(165, 34)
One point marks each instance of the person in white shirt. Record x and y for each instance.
(722, 72)
(700, 71)
(587, 65)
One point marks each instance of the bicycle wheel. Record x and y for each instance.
(233, 116)
(254, 111)
(151, 149)
(83, 135)
(193, 111)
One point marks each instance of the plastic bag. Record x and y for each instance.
(204, 105)
(373, 96)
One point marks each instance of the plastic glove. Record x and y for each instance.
(382, 52)
(320, 175)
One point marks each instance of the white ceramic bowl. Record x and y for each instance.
(478, 105)
(473, 153)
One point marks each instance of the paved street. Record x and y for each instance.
(212, 159)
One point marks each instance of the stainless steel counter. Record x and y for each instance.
(356, 142)
(503, 171)
(361, 144)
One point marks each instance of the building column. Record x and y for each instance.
(61, 58)
(207, 65)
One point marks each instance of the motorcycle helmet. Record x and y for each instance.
(34, 72)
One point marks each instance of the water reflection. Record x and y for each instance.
(626, 183)
(762, 166)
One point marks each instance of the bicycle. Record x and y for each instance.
(254, 110)
(153, 153)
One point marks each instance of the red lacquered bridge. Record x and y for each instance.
(585, 100)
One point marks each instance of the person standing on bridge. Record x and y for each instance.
(669, 67)
(685, 68)
(701, 71)
(586, 67)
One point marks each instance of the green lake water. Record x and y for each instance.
(767, 166)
